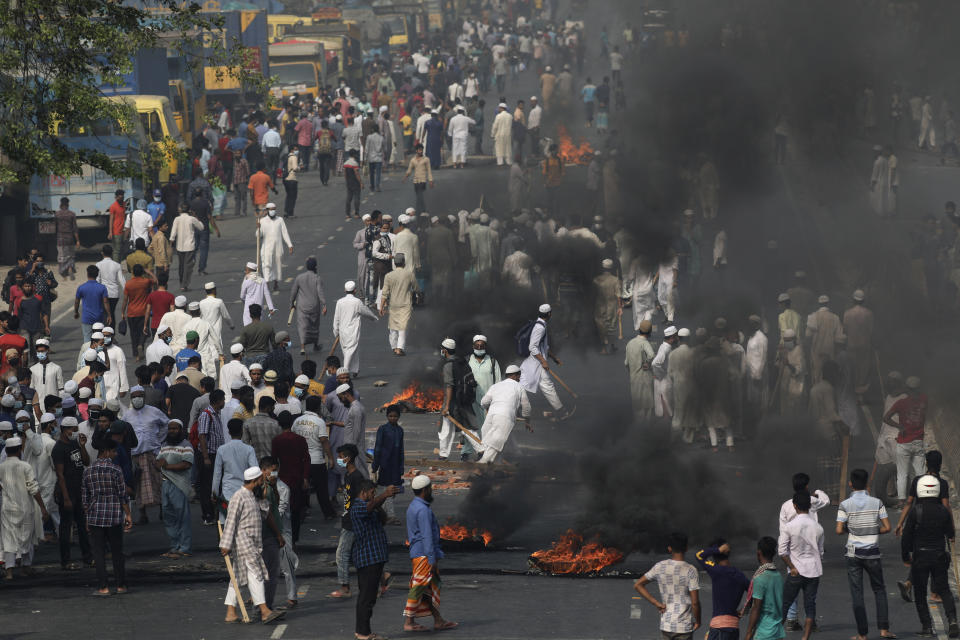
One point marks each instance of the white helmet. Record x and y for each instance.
(928, 487)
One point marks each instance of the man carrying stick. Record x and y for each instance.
(502, 402)
(535, 371)
(459, 392)
(424, 534)
(242, 535)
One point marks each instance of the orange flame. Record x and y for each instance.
(570, 555)
(427, 398)
(459, 533)
(569, 152)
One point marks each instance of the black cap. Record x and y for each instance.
(119, 192)
(119, 426)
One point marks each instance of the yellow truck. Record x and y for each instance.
(279, 24)
(299, 66)
(160, 128)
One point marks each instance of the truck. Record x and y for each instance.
(249, 29)
(278, 25)
(299, 66)
(187, 96)
(343, 51)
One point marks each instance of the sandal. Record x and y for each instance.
(446, 625)
(385, 585)
(172, 555)
(416, 628)
(274, 615)
(339, 594)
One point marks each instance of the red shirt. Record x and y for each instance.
(160, 302)
(118, 215)
(912, 412)
(12, 341)
(137, 290)
(16, 295)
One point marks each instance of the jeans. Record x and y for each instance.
(203, 249)
(205, 480)
(724, 634)
(910, 453)
(318, 477)
(793, 585)
(272, 160)
(874, 569)
(271, 558)
(67, 518)
(290, 202)
(305, 151)
(419, 188)
(344, 548)
(676, 635)
(927, 564)
(354, 197)
(376, 169)
(240, 196)
(176, 517)
(324, 162)
(369, 579)
(588, 106)
(137, 337)
(185, 267)
(86, 330)
(113, 535)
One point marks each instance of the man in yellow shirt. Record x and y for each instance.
(407, 123)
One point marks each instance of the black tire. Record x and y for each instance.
(885, 484)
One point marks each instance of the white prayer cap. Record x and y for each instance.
(344, 388)
(383, 108)
(22, 414)
(97, 326)
(484, 218)
(512, 369)
(669, 331)
(607, 263)
(858, 295)
(256, 366)
(824, 299)
(194, 306)
(302, 379)
(451, 218)
(403, 218)
(475, 214)
(789, 334)
(161, 328)
(434, 219)
(271, 205)
(365, 217)
(69, 421)
(236, 385)
(270, 376)
(479, 338)
(913, 382)
(89, 355)
(70, 387)
(684, 333)
(502, 105)
(136, 389)
(108, 331)
(252, 266)
(421, 481)
(386, 218)
(410, 211)
(15, 441)
(349, 285)
(342, 371)
(6, 426)
(449, 344)
(435, 112)
(339, 117)
(548, 68)
(12, 380)
(460, 108)
(689, 213)
(783, 297)
(236, 348)
(252, 473)
(42, 342)
(180, 302)
(544, 308)
(47, 417)
(96, 335)
(113, 405)
(210, 285)
(177, 420)
(533, 98)
(85, 393)
(95, 402)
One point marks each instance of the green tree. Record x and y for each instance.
(56, 54)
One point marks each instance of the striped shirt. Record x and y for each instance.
(208, 423)
(862, 513)
(103, 493)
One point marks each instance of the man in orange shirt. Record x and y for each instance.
(134, 309)
(118, 216)
(259, 183)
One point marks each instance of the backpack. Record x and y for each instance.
(194, 436)
(522, 338)
(324, 142)
(464, 383)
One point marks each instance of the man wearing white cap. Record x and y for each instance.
(22, 511)
(792, 374)
(823, 329)
(95, 341)
(350, 310)
(354, 425)
(788, 318)
(234, 371)
(397, 295)
(176, 320)
(661, 382)
(533, 125)
(640, 283)
(755, 361)
(486, 373)
(858, 326)
(502, 402)
(242, 539)
(668, 277)
(214, 311)
(272, 235)
(37, 451)
(310, 302)
(459, 131)
(608, 306)
(680, 375)
(254, 290)
(535, 368)
(407, 242)
(115, 382)
(501, 132)
(208, 344)
(46, 375)
(160, 346)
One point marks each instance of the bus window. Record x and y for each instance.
(151, 124)
(175, 98)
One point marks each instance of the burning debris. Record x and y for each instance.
(442, 479)
(570, 555)
(459, 533)
(569, 152)
(417, 398)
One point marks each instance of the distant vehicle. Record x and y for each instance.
(341, 45)
(278, 25)
(161, 131)
(299, 66)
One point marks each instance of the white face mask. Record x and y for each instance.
(272, 213)
(137, 403)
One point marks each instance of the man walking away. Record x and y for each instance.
(801, 547)
(729, 585)
(765, 597)
(679, 583)
(912, 416)
(864, 518)
(923, 546)
(424, 534)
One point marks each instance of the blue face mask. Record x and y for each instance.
(98, 379)
(168, 339)
(58, 411)
(341, 463)
(18, 405)
(41, 355)
(297, 391)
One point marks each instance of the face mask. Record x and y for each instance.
(341, 463)
(41, 355)
(168, 339)
(23, 426)
(297, 392)
(107, 340)
(273, 474)
(137, 403)
(18, 405)
(39, 264)
(98, 379)
(94, 415)
(156, 198)
(55, 434)
(14, 362)
(58, 412)
(273, 213)
(73, 436)
(479, 353)
(384, 233)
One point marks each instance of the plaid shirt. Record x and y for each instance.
(370, 544)
(208, 423)
(103, 493)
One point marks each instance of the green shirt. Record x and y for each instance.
(768, 586)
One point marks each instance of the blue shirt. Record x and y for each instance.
(237, 144)
(729, 583)
(388, 455)
(156, 210)
(183, 358)
(423, 532)
(370, 542)
(232, 460)
(91, 294)
(588, 92)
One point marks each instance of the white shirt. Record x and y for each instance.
(533, 118)
(111, 276)
(422, 62)
(231, 372)
(802, 540)
(505, 398)
(659, 364)
(756, 357)
(139, 223)
(454, 91)
(46, 383)
(182, 235)
(115, 380)
(818, 500)
(459, 126)
(157, 349)
(271, 140)
(313, 429)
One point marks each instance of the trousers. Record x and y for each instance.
(205, 482)
(927, 564)
(344, 549)
(137, 337)
(271, 558)
(909, 454)
(254, 585)
(185, 261)
(324, 162)
(874, 569)
(100, 536)
(290, 202)
(793, 585)
(398, 338)
(203, 249)
(353, 197)
(318, 478)
(550, 391)
(419, 188)
(67, 518)
(369, 579)
(176, 517)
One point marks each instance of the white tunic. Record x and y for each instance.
(157, 349)
(46, 380)
(502, 134)
(346, 325)
(214, 311)
(406, 242)
(36, 452)
(501, 402)
(115, 380)
(208, 348)
(273, 235)
(662, 385)
(230, 372)
(531, 369)
(176, 320)
(756, 356)
(21, 525)
(254, 290)
(640, 283)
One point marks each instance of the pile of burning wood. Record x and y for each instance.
(569, 555)
(417, 398)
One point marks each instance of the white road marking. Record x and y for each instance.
(340, 228)
(302, 592)
(288, 279)
(278, 632)
(331, 237)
